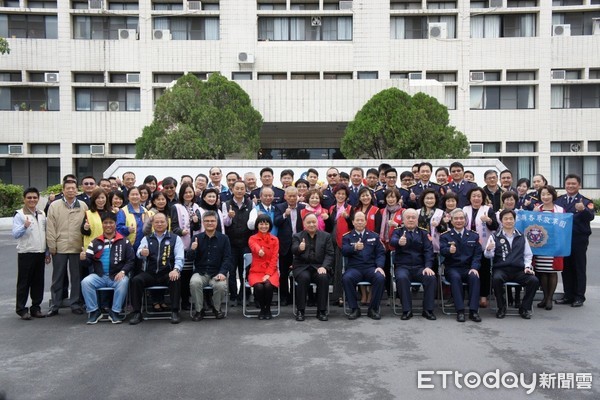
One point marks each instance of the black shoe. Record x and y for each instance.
(474, 316)
(549, 306)
(94, 317)
(460, 317)
(218, 314)
(373, 314)
(197, 316)
(501, 313)
(261, 314)
(564, 300)
(518, 303)
(429, 315)
(300, 315)
(25, 316)
(541, 304)
(322, 316)
(355, 313)
(284, 303)
(577, 303)
(114, 317)
(406, 315)
(77, 311)
(37, 314)
(175, 318)
(52, 313)
(136, 318)
(525, 314)
(186, 306)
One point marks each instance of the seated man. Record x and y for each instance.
(162, 254)
(212, 261)
(109, 258)
(462, 259)
(512, 263)
(313, 262)
(365, 256)
(412, 262)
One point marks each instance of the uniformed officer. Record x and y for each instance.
(574, 272)
(462, 258)
(391, 176)
(425, 169)
(266, 177)
(412, 262)
(365, 257)
(459, 185)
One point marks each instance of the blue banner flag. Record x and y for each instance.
(548, 234)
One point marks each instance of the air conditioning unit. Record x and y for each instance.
(245, 58)
(595, 26)
(497, 4)
(95, 4)
(161, 34)
(476, 147)
(575, 147)
(114, 106)
(561, 30)
(415, 76)
(15, 149)
(51, 77)
(477, 76)
(97, 149)
(128, 34)
(194, 5)
(438, 30)
(345, 5)
(315, 21)
(132, 78)
(559, 74)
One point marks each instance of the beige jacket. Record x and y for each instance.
(63, 233)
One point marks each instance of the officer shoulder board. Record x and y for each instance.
(346, 233)
(447, 232)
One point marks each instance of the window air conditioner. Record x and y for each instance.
(95, 4)
(476, 76)
(245, 58)
(161, 34)
(345, 5)
(497, 4)
(415, 76)
(559, 74)
(561, 30)
(51, 77)
(113, 106)
(315, 21)
(132, 78)
(15, 149)
(97, 149)
(127, 34)
(438, 30)
(476, 147)
(194, 5)
(575, 147)
(595, 26)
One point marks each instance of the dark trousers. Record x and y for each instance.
(510, 274)
(406, 275)
(237, 265)
(263, 294)
(285, 262)
(186, 275)
(30, 281)
(456, 277)
(146, 279)
(303, 280)
(485, 277)
(351, 278)
(61, 262)
(574, 272)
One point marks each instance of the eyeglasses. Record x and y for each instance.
(31, 197)
(332, 175)
(89, 183)
(215, 173)
(169, 187)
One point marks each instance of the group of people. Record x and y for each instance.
(358, 227)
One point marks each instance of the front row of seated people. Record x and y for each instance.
(160, 258)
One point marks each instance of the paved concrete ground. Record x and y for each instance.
(237, 358)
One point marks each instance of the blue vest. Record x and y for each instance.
(271, 214)
(161, 259)
(506, 255)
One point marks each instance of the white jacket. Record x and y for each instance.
(33, 238)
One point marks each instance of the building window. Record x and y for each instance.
(101, 99)
(417, 27)
(594, 73)
(192, 28)
(367, 75)
(502, 97)
(271, 7)
(563, 3)
(88, 77)
(305, 28)
(440, 5)
(241, 76)
(486, 147)
(405, 5)
(280, 76)
(10, 76)
(166, 78)
(520, 75)
(304, 76)
(565, 147)
(441, 76)
(10, 3)
(582, 23)
(122, 148)
(575, 96)
(520, 147)
(564, 165)
(503, 25)
(594, 145)
(28, 26)
(29, 98)
(522, 167)
(44, 148)
(101, 28)
(41, 4)
(201, 75)
(167, 6)
(123, 6)
(337, 75)
(521, 3)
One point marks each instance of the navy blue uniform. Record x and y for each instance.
(461, 189)
(457, 266)
(409, 262)
(277, 194)
(361, 265)
(534, 198)
(353, 199)
(574, 272)
(419, 187)
(405, 194)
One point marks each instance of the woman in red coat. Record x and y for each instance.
(264, 274)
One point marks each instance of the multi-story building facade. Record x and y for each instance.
(521, 78)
